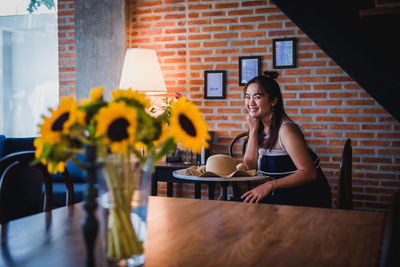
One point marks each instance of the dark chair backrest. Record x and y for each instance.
(238, 138)
(10, 145)
(21, 186)
(344, 192)
(391, 240)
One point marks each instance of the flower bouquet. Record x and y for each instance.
(123, 128)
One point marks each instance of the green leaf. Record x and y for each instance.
(167, 146)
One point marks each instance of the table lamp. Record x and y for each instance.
(142, 72)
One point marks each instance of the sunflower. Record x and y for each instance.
(96, 94)
(188, 126)
(130, 95)
(39, 144)
(53, 167)
(116, 123)
(46, 156)
(60, 121)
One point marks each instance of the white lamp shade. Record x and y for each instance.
(142, 71)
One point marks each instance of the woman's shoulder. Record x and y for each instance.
(289, 127)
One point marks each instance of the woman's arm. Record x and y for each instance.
(293, 141)
(251, 154)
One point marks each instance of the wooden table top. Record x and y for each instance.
(195, 232)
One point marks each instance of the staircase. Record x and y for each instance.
(360, 38)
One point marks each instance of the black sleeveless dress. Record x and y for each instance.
(276, 163)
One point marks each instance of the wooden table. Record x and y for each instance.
(181, 174)
(194, 232)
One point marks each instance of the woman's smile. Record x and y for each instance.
(257, 103)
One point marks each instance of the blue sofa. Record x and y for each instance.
(10, 145)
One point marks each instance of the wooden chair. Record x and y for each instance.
(239, 138)
(21, 186)
(344, 192)
(390, 256)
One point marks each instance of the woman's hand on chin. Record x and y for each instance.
(253, 123)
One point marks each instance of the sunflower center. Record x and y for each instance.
(117, 130)
(58, 124)
(187, 125)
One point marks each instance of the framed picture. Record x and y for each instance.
(214, 84)
(249, 67)
(284, 53)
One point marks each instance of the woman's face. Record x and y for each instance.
(257, 102)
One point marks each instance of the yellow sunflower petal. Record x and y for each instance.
(188, 126)
(116, 123)
(53, 167)
(38, 143)
(60, 120)
(130, 94)
(96, 94)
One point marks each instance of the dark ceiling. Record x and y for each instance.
(359, 37)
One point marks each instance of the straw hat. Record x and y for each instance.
(220, 165)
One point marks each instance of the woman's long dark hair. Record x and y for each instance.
(271, 88)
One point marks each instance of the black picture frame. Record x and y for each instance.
(284, 53)
(249, 67)
(215, 84)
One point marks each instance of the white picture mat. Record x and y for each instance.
(249, 69)
(284, 53)
(214, 84)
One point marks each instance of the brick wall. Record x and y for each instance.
(191, 36)
(66, 47)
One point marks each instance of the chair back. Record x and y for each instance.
(344, 192)
(239, 138)
(231, 151)
(391, 240)
(21, 186)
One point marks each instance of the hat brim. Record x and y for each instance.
(196, 172)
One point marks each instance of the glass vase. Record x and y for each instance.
(124, 190)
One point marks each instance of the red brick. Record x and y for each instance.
(342, 95)
(150, 18)
(361, 119)
(344, 111)
(297, 87)
(252, 34)
(225, 35)
(326, 86)
(276, 17)
(226, 5)
(328, 102)
(359, 135)
(280, 33)
(328, 118)
(213, 14)
(253, 50)
(344, 126)
(239, 12)
(327, 134)
(312, 95)
(199, 7)
(224, 21)
(214, 29)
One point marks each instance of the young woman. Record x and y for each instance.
(277, 148)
